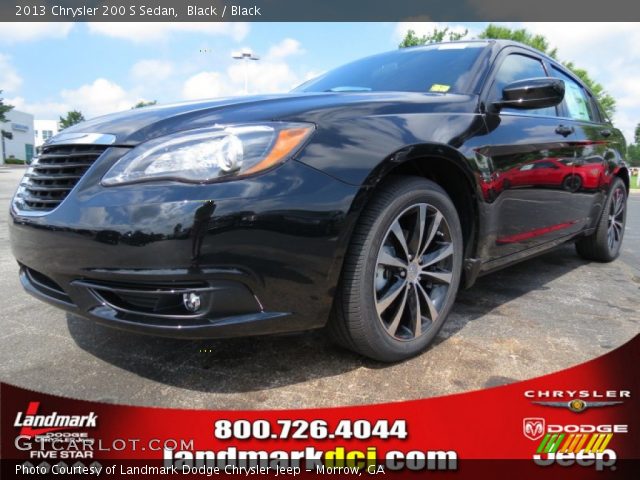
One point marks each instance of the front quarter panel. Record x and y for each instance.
(356, 150)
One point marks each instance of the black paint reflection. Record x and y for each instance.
(201, 222)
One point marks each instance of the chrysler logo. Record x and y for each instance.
(577, 405)
(533, 428)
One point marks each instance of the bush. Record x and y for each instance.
(14, 161)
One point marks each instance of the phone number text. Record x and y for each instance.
(308, 429)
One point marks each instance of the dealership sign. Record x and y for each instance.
(41, 432)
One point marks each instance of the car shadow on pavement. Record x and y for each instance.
(262, 363)
(492, 293)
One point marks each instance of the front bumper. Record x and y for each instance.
(176, 326)
(264, 253)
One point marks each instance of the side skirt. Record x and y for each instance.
(503, 262)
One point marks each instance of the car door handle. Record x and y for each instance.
(605, 133)
(564, 130)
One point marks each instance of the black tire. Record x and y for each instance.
(431, 277)
(598, 246)
(572, 183)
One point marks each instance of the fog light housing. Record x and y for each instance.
(191, 301)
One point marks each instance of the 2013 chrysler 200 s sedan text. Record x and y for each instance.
(362, 200)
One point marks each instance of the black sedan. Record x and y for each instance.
(361, 201)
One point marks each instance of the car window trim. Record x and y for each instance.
(596, 106)
(568, 119)
(561, 109)
(524, 114)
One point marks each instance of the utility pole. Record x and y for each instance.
(245, 55)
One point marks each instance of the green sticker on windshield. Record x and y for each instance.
(436, 87)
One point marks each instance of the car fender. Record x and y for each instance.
(420, 154)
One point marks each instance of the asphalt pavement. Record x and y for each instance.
(539, 316)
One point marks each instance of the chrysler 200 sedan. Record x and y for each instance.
(360, 201)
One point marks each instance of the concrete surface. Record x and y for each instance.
(537, 317)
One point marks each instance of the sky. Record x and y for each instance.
(50, 68)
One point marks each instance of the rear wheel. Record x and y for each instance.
(401, 273)
(604, 244)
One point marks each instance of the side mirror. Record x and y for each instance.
(531, 93)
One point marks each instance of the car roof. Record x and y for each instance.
(497, 44)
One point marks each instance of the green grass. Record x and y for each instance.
(634, 182)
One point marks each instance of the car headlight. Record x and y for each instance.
(210, 154)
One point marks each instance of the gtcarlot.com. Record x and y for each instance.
(72, 445)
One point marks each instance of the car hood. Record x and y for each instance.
(138, 125)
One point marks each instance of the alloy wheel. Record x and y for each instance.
(414, 271)
(615, 227)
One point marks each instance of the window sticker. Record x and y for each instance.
(436, 87)
(576, 102)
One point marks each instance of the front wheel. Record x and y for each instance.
(401, 273)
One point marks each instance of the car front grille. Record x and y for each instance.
(54, 173)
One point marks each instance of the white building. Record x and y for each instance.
(44, 130)
(21, 146)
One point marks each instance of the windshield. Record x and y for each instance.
(438, 68)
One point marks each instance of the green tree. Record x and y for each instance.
(4, 109)
(521, 35)
(72, 117)
(633, 150)
(438, 35)
(142, 104)
(633, 155)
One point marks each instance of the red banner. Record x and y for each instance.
(577, 423)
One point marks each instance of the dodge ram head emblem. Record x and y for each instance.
(533, 428)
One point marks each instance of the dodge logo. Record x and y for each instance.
(533, 428)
